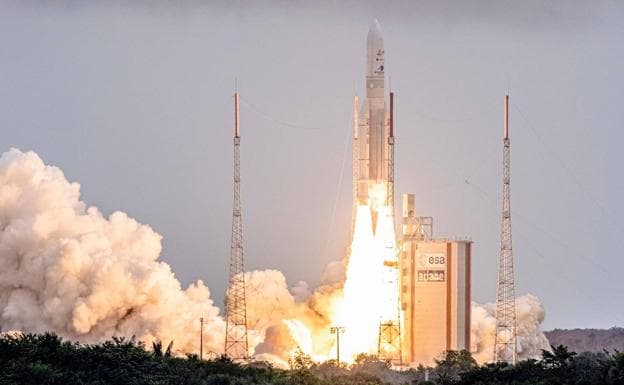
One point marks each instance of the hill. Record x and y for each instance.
(588, 340)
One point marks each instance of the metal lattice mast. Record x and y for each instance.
(236, 346)
(505, 345)
(389, 344)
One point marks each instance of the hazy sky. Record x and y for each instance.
(134, 101)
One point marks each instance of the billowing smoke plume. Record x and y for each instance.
(283, 320)
(66, 268)
(531, 340)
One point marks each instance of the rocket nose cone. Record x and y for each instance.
(374, 34)
(374, 51)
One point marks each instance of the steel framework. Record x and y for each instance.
(236, 345)
(389, 340)
(505, 344)
(389, 343)
(389, 348)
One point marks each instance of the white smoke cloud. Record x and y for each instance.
(531, 340)
(334, 273)
(66, 268)
(280, 321)
(301, 291)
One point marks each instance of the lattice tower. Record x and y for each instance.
(505, 344)
(389, 347)
(236, 345)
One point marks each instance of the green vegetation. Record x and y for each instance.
(46, 359)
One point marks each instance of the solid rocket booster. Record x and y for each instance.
(373, 134)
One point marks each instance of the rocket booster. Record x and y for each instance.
(373, 131)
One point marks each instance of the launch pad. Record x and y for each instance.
(407, 301)
(423, 308)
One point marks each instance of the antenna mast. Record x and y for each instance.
(505, 345)
(236, 345)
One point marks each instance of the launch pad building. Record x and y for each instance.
(435, 289)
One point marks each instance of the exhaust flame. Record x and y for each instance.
(370, 292)
(356, 310)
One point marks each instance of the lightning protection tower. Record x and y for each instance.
(236, 346)
(505, 347)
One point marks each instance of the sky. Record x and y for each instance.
(133, 100)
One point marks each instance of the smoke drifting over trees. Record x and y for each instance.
(68, 269)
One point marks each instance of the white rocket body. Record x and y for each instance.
(373, 262)
(373, 127)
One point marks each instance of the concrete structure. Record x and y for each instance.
(435, 290)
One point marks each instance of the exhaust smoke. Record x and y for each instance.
(68, 269)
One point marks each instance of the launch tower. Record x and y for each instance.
(505, 348)
(236, 345)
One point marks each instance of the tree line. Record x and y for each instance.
(47, 359)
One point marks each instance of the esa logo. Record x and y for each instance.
(436, 260)
(431, 259)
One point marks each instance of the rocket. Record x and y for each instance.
(373, 136)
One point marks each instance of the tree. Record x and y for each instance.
(300, 374)
(559, 357)
(158, 352)
(614, 369)
(300, 360)
(452, 364)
